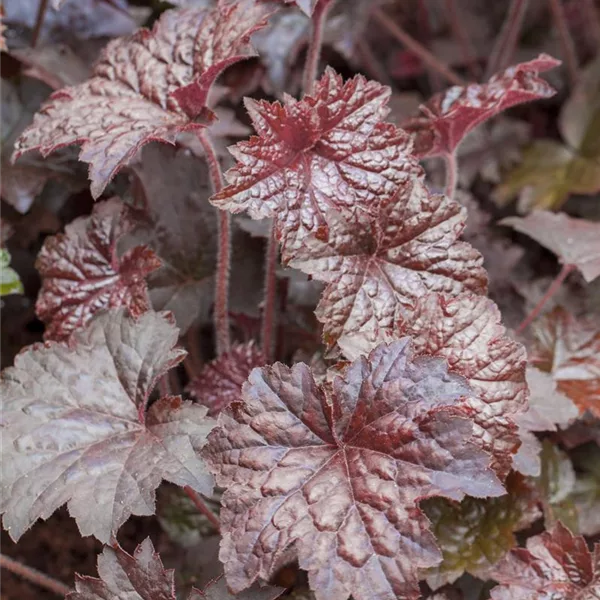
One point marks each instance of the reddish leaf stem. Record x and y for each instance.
(462, 38)
(34, 576)
(506, 41)
(221, 312)
(427, 57)
(268, 315)
(554, 287)
(566, 41)
(311, 67)
(39, 22)
(202, 507)
(451, 174)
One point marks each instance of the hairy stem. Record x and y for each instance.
(39, 22)
(202, 507)
(406, 40)
(554, 287)
(566, 41)
(311, 66)
(221, 312)
(34, 576)
(268, 315)
(505, 43)
(461, 36)
(451, 174)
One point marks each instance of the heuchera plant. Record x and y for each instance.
(418, 419)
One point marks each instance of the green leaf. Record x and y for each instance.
(475, 533)
(551, 171)
(9, 278)
(556, 483)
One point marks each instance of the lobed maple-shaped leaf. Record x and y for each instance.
(575, 241)
(569, 349)
(180, 225)
(143, 577)
(329, 152)
(448, 116)
(83, 274)
(476, 533)
(380, 267)
(548, 409)
(333, 473)
(220, 381)
(556, 565)
(76, 427)
(150, 86)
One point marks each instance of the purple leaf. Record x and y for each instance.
(334, 472)
(150, 86)
(82, 273)
(448, 116)
(76, 427)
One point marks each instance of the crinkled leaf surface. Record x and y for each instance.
(150, 86)
(221, 380)
(569, 349)
(143, 577)
(181, 226)
(382, 266)
(82, 273)
(556, 565)
(75, 427)
(548, 408)
(335, 471)
(10, 283)
(574, 241)
(447, 117)
(329, 152)
(476, 533)
(467, 332)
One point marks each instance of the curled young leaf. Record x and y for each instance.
(147, 87)
(76, 426)
(329, 152)
(556, 565)
(569, 349)
(333, 473)
(143, 577)
(476, 533)
(82, 273)
(220, 381)
(575, 241)
(448, 116)
(379, 268)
